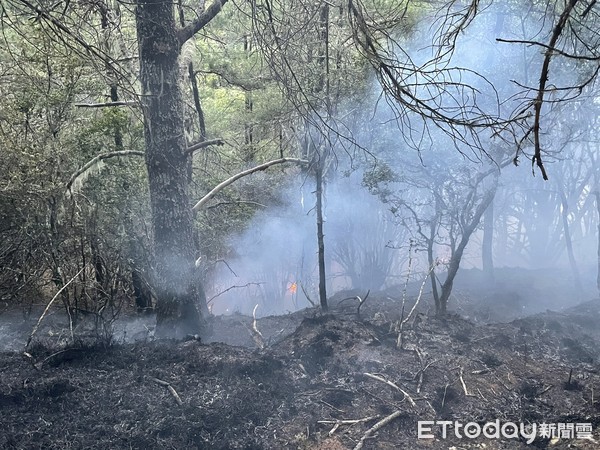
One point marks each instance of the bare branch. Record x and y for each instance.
(99, 158)
(108, 104)
(539, 100)
(236, 177)
(549, 48)
(186, 33)
(37, 325)
(202, 144)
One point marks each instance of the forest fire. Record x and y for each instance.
(300, 225)
(293, 288)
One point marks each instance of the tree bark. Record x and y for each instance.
(321, 236)
(431, 261)
(178, 291)
(487, 254)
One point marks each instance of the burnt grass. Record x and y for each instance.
(316, 369)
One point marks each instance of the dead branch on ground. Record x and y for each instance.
(383, 422)
(338, 423)
(170, 388)
(256, 334)
(391, 384)
(464, 385)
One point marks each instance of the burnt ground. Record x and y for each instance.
(321, 382)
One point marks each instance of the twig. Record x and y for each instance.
(383, 422)
(332, 407)
(462, 381)
(395, 386)
(482, 396)
(421, 372)
(362, 302)
(210, 300)
(170, 388)
(399, 341)
(307, 296)
(444, 397)
(256, 334)
(37, 325)
(337, 423)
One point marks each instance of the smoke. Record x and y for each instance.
(413, 163)
(275, 263)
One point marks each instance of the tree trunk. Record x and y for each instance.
(431, 261)
(321, 236)
(458, 253)
(487, 254)
(178, 291)
(597, 195)
(569, 243)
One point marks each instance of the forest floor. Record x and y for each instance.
(325, 381)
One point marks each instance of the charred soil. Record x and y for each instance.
(321, 382)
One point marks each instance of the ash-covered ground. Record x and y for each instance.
(322, 381)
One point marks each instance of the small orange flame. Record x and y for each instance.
(293, 288)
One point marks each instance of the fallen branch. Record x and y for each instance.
(464, 385)
(382, 423)
(395, 386)
(546, 389)
(237, 176)
(338, 423)
(38, 365)
(170, 388)
(37, 325)
(256, 334)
